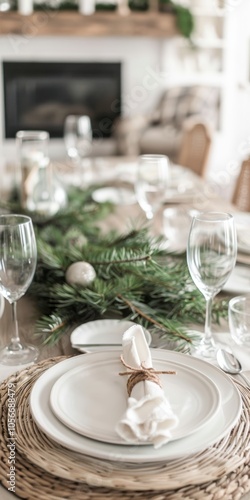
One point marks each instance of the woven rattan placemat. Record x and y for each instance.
(221, 471)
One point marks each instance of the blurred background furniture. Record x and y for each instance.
(195, 145)
(241, 195)
(180, 127)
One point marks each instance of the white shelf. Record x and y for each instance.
(201, 43)
(200, 12)
(196, 78)
(209, 43)
(204, 62)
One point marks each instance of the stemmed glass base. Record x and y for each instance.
(202, 347)
(205, 349)
(11, 356)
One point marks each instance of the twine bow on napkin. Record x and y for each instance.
(149, 417)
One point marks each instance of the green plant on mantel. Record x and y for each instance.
(138, 5)
(184, 16)
(109, 7)
(46, 5)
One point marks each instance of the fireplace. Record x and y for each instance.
(39, 95)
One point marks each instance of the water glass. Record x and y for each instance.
(78, 140)
(18, 257)
(78, 136)
(239, 319)
(152, 180)
(211, 257)
(32, 150)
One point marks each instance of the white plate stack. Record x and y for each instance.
(79, 401)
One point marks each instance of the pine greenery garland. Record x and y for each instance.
(135, 279)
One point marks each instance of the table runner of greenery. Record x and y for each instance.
(135, 279)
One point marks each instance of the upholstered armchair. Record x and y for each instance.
(182, 123)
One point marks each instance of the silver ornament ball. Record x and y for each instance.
(80, 273)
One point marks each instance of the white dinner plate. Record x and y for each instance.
(242, 222)
(81, 395)
(118, 196)
(216, 429)
(102, 331)
(239, 280)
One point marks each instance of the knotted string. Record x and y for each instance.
(140, 374)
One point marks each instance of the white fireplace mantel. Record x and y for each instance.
(140, 57)
(151, 23)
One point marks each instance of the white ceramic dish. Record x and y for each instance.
(102, 331)
(239, 280)
(228, 414)
(78, 403)
(118, 196)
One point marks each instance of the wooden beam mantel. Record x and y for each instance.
(99, 24)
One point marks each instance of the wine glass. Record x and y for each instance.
(18, 256)
(211, 256)
(78, 138)
(150, 186)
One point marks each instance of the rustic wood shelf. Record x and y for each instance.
(71, 23)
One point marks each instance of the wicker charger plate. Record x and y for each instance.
(218, 472)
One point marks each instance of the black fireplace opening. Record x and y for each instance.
(39, 95)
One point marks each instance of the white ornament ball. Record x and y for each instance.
(80, 273)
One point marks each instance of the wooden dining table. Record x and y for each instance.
(115, 172)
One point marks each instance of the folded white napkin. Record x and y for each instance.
(149, 417)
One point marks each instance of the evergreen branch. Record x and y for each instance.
(154, 322)
(121, 261)
(50, 328)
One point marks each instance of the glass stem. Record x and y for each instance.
(15, 344)
(208, 340)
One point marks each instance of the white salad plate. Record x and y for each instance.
(102, 331)
(91, 399)
(239, 280)
(226, 417)
(118, 196)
